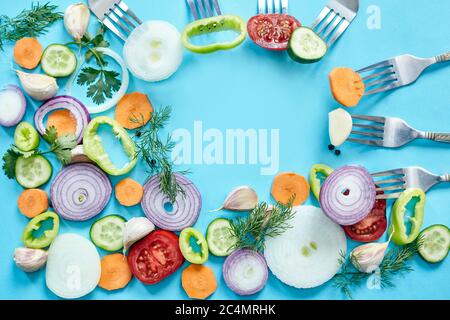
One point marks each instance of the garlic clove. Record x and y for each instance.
(76, 20)
(78, 155)
(242, 198)
(135, 230)
(368, 257)
(30, 260)
(38, 86)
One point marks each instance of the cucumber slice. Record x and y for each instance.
(33, 172)
(436, 243)
(305, 46)
(58, 61)
(107, 232)
(219, 237)
(26, 138)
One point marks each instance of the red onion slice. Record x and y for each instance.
(184, 211)
(245, 272)
(79, 111)
(348, 195)
(80, 191)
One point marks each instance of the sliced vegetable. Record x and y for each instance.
(47, 236)
(348, 195)
(32, 202)
(435, 243)
(134, 110)
(63, 121)
(305, 46)
(182, 213)
(33, 172)
(58, 61)
(245, 272)
(198, 281)
(27, 53)
(272, 31)
(107, 232)
(340, 125)
(219, 237)
(241, 198)
(306, 255)
(318, 173)
(213, 25)
(80, 191)
(73, 266)
(289, 186)
(347, 86)
(129, 192)
(38, 86)
(135, 230)
(397, 226)
(153, 51)
(30, 260)
(26, 138)
(12, 106)
(115, 273)
(155, 257)
(93, 146)
(190, 253)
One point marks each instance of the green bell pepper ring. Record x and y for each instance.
(315, 181)
(94, 150)
(30, 241)
(397, 226)
(212, 25)
(186, 249)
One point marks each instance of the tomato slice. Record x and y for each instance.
(372, 227)
(155, 257)
(272, 31)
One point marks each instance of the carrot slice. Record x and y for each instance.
(129, 192)
(289, 185)
(347, 86)
(28, 53)
(198, 281)
(116, 273)
(134, 110)
(63, 120)
(32, 202)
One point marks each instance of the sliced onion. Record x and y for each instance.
(348, 195)
(12, 106)
(184, 211)
(76, 108)
(245, 272)
(80, 191)
(306, 255)
(73, 266)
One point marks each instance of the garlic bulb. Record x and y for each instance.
(368, 257)
(241, 198)
(39, 86)
(76, 20)
(136, 229)
(30, 260)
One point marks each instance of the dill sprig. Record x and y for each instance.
(29, 23)
(262, 222)
(156, 152)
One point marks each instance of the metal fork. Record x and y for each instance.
(201, 5)
(397, 72)
(116, 16)
(334, 19)
(273, 6)
(390, 132)
(394, 182)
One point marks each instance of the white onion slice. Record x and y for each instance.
(307, 255)
(12, 106)
(73, 266)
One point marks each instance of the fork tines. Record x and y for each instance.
(382, 76)
(390, 182)
(374, 131)
(120, 19)
(272, 6)
(204, 8)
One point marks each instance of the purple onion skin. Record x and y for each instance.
(8, 124)
(236, 257)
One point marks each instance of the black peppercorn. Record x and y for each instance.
(331, 147)
(337, 152)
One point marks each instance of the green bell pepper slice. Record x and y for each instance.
(212, 25)
(188, 252)
(30, 241)
(315, 181)
(397, 226)
(94, 150)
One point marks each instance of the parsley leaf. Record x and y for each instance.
(9, 163)
(50, 135)
(60, 146)
(101, 83)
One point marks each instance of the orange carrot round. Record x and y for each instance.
(347, 86)
(198, 281)
(28, 53)
(289, 185)
(32, 202)
(129, 192)
(63, 120)
(134, 110)
(116, 273)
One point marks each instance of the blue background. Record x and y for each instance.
(252, 88)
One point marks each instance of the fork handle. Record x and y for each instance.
(435, 136)
(443, 57)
